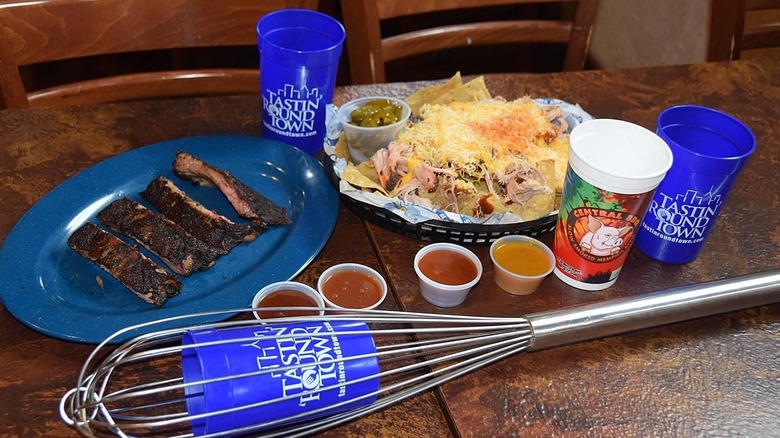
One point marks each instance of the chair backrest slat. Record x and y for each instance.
(499, 32)
(369, 49)
(33, 32)
(734, 27)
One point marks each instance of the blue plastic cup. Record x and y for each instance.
(299, 57)
(311, 365)
(710, 148)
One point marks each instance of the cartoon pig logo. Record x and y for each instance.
(602, 240)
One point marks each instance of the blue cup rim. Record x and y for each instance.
(713, 114)
(333, 28)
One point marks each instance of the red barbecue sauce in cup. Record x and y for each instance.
(286, 298)
(448, 267)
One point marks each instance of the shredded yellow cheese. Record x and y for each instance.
(472, 138)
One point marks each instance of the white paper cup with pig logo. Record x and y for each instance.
(614, 168)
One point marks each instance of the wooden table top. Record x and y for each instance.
(715, 376)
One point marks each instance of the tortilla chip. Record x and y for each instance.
(538, 206)
(354, 176)
(429, 94)
(454, 90)
(341, 149)
(473, 90)
(475, 204)
(483, 205)
(368, 170)
(547, 169)
(478, 89)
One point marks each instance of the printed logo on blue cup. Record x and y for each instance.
(292, 112)
(682, 217)
(313, 352)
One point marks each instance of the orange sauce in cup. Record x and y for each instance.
(286, 298)
(522, 258)
(352, 289)
(448, 267)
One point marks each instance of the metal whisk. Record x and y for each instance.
(334, 368)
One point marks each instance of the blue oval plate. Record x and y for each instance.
(52, 289)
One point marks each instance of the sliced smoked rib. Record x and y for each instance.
(145, 278)
(206, 225)
(182, 253)
(247, 202)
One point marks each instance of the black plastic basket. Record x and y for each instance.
(436, 230)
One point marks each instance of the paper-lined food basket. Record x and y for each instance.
(431, 223)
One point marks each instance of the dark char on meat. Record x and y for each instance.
(247, 202)
(182, 252)
(135, 271)
(213, 229)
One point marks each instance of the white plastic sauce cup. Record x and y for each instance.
(514, 283)
(288, 285)
(445, 295)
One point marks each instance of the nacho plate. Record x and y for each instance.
(430, 223)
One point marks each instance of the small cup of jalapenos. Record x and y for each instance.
(371, 123)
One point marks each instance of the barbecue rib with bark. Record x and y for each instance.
(183, 253)
(213, 229)
(247, 202)
(135, 271)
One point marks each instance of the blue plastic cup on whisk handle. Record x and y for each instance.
(274, 372)
(299, 57)
(710, 148)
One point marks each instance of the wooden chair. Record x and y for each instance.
(369, 50)
(740, 25)
(35, 31)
